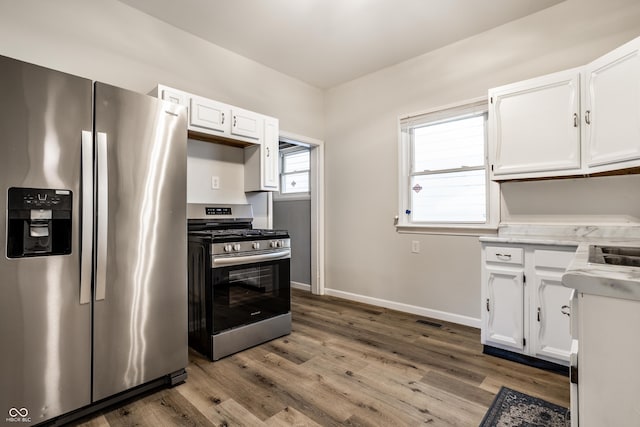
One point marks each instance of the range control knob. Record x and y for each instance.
(282, 243)
(256, 245)
(275, 244)
(228, 248)
(236, 247)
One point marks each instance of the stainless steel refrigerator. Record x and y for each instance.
(93, 280)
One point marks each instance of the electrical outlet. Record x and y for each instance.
(215, 182)
(415, 246)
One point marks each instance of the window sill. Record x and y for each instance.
(450, 230)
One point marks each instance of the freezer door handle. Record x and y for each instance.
(86, 243)
(103, 212)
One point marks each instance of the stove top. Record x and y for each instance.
(243, 234)
(216, 223)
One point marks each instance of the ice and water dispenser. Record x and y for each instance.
(39, 222)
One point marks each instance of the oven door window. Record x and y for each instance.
(247, 293)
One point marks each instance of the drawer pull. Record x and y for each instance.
(565, 309)
(504, 256)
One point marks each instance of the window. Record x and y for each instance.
(444, 178)
(295, 171)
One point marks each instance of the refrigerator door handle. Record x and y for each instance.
(103, 212)
(87, 218)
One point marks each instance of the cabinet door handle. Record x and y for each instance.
(503, 256)
(235, 121)
(488, 309)
(587, 117)
(222, 119)
(268, 153)
(538, 314)
(565, 309)
(575, 120)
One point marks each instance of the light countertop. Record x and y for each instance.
(616, 281)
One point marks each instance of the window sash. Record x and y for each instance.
(296, 165)
(476, 208)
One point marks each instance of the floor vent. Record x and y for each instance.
(426, 322)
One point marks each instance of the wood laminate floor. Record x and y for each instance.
(344, 364)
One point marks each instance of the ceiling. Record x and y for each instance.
(329, 42)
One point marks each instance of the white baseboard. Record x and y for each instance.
(303, 286)
(407, 308)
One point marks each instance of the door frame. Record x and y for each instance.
(317, 206)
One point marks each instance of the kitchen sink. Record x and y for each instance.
(615, 255)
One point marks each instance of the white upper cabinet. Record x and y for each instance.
(576, 122)
(246, 123)
(261, 172)
(171, 95)
(215, 121)
(270, 145)
(210, 119)
(209, 116)
(612, 109)
(534, 126)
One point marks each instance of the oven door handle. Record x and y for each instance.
(248, 259)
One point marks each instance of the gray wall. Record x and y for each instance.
(114, 43)
(365, 256)
(295, 216)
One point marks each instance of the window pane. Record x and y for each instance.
(297, 161)
(295, 183)
(449, 197)
(449, 145)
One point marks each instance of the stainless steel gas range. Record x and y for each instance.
(239, 280)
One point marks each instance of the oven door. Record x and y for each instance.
(250, 292)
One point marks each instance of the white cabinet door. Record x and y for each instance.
(174, 96)
(550, 325)
(246, 123)
(612, 111)
(270, 156)
(208, 115)
(551, 334)
(261, 172)
(534, 127)
(504, 308)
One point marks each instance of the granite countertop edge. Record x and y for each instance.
(601, 279)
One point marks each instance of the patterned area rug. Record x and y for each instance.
(511, 408)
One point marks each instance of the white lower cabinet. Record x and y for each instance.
(525, 308)
(504, 308)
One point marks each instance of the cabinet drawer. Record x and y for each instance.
(553, 259)
(504, 255)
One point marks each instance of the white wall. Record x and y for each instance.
(365, 255)
(109, 41)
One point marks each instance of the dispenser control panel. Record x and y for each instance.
(39, 222)
(38, 198)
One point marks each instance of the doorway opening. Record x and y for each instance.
(299, 208)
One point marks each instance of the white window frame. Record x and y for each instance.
(303, 195)
(404, 222)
